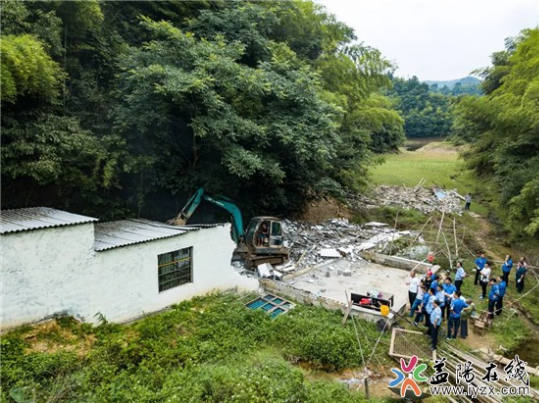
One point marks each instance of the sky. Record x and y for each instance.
(436, 39)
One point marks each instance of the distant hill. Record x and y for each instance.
(465, 82)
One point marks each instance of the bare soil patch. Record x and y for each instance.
(323, 210)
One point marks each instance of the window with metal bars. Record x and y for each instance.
(175, 268)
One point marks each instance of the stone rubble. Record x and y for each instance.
(314, 245)
(423, 199)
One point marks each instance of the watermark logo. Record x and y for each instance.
(414, 375)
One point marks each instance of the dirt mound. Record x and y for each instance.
(323, 210)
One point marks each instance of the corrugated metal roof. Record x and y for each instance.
(28, 219)
(116, 234)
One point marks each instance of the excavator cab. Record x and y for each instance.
(264, 240)
(264, 232)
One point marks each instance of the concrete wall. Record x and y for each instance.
(126, 279)
(56, 271)
(44, 272)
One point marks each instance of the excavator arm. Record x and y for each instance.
(221, 201)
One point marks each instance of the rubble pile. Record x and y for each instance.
(418, 198)
(312, 245)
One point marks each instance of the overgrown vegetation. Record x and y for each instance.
(209, 349)
(502, 127)
(117, 109)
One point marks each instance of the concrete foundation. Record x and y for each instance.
(326, 286)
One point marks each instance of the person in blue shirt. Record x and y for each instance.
(479, 265)
(440, 296)
(506, 268)
(449, 290)
(434, 283)
(492, 297)
(421, 291)
(423, 312)
(459, 276)
(454, 317)
(435, 322)
(521, 273)
(502, 287)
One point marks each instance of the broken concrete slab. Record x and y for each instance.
(265, 270)
(329, 252)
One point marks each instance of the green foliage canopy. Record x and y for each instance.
(504, 130)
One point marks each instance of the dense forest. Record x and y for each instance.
(120, 108)
(503, 129)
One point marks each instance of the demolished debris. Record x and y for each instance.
(420, 198)
(313, 245)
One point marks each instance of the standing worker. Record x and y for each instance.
(449, 290)
(485, 276)
(464, 316)
(521, 273)
(506, 268)
(479, 265)
(435, 322)
(459, 276)
(468, 200)
(454, 317)
(493, 296)
(502, 286)
(413, 285)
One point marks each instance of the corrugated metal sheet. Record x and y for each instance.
(116, 234)
(28, 219)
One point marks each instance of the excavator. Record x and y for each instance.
(262, 240)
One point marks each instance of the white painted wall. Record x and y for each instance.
(56, 270)
(45, 271)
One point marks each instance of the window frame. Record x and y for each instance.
(179, 273)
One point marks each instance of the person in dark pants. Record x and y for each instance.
(502, 286)
(485, 276)
(413, 284)
(468, 200)
(492, 297)
(479, 265)
(520, 275)
(429, 308)
(423, 309)
(454, 317)
(506, 268)
(464, 316)
(435, 322)
(459, 276)
(449, 290)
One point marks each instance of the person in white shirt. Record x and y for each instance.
(485, 276)
(413, 285)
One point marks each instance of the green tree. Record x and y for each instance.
(503, 129)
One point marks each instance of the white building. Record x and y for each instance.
(54, 262)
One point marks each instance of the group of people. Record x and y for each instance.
(498, 286)
(433, 298)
